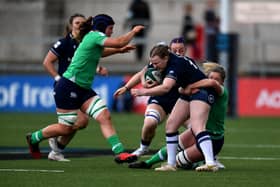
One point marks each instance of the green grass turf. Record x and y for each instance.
(251, 155)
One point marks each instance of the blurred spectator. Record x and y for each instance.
(189, 32)
(210, 18)
(139, 14)
(211, 30)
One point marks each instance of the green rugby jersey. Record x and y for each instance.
(83, 66)
(216, 120)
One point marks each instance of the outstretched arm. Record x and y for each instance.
(133, 81)
(203, 83)
(161, 89)
(122, 40)
(111, 51)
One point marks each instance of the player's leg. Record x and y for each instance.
(153, 116)
(178, 115)
(198, 117)
(97, 109)
(158, 157)
(187, 158)
(66, 118)
(217, 147)
(58, 144)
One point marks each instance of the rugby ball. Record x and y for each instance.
(153, 75)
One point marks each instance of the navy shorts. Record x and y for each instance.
(68, 95)
(167, 103)
(206, 95)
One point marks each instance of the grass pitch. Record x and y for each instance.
(251, 155)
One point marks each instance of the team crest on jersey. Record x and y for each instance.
(211, 99)
(73, 95)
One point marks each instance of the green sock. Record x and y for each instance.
(37, 136)
(117, 146)
(158, 157)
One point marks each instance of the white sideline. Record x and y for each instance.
(246, 158)
(252, 146)
(33, 170)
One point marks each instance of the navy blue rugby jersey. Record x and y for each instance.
(173, 93)
(64, 49)
(183, 69)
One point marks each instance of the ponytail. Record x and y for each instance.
(85, 28)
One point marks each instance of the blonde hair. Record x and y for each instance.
(213, 67)
(208, 66)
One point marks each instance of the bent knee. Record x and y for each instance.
(103, 116)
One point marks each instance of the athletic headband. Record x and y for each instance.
(177, 40)
(101, 22)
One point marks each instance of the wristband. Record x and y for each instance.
(57, 77)
(126, 88)
(98, 69)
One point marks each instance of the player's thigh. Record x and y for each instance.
(199, 112)
(178, 115)
(82, 120)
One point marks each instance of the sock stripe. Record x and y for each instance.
(172, 142)
(37, 136)
(116, 146)
(205, 138)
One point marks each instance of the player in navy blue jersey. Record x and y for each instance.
(158, 107)
(62, 52)
(182, 71)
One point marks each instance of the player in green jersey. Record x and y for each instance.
(73, 91)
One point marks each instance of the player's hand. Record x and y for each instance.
(188, 90)
(138, 28)
(120, 91)
(127, 48)
(149, 84)
(137, 92)
(102, 71)
(185, 91)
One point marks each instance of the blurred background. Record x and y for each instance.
(241, 35)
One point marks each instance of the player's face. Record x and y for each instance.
(178, 48)
(159, 63)
(77, 21)
(109, 30)
(216, 76)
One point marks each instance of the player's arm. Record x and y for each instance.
(49, 65)
(202, 84)
(111, 51)
(161, 89)
(122, 40)
(133, 81)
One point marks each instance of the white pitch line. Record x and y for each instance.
(33, 170)
(247, 158)
(252, 146)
